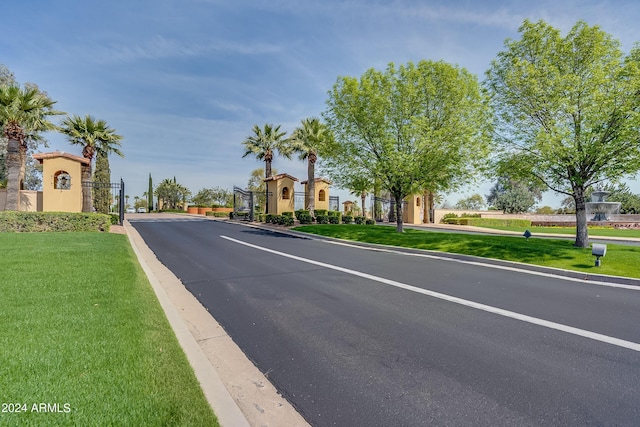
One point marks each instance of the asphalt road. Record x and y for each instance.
(355, 337)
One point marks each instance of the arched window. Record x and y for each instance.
(285, 193)
(417, 201)
(322, 195)
(61, 180)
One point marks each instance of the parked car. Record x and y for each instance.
(142, 210)
(131, 210)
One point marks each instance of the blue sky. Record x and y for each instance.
(184, 81)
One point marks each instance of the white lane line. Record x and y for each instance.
(495, 310)
(485, 265)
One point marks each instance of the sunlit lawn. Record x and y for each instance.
(620, 260)
(593, 231)
(83, 332)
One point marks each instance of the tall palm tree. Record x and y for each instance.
(265, 143)
(306, 140)
(93, 135)
(23, 113)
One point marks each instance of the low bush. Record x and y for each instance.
(494, 222)
(322, 219)
(449, 218)
(321, 212)
(11, 221)
(304, 217)
(347, 219)
(115, 219)
(370, 222)
(284, 219)
(261, 217)
(334, 217)
(218, 214)
(359, 219)
(270, 218)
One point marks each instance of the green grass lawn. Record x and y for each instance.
(620, 260)
(83, 332)
(593, 231)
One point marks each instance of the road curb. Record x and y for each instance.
(237, 391)
(225, 407)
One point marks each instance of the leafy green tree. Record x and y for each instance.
(545, 210)
(24, 113)
(514, 196)
(204, 197)
(410, 127)
(150, 195)
(474, 202)
(102, 179)
(171, 194)
(306, 140)
(567, 109)
(93, 135)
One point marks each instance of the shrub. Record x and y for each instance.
(286, 220)
(334, 217)
(261, 217)
(303, 216)
(495, 222)
(359, 219)
(270, 218)
(347, 219)
(321, 212)
(218, 214)
(115, 219)
(370, 222)
(322, 219)
(53, 221)
(449, 218)
(288, 214)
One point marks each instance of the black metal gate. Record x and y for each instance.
(112, 193)
(380, 208)
(244, 204)
(334, 203)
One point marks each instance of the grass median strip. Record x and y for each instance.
(84, 340)
(620, 260)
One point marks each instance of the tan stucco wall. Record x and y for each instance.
(412, 214)
(55, 200)
(277, 204)
(30, 200)
(318, 204)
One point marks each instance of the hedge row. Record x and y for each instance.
(217, 214)
(12, 221)
(494, 222)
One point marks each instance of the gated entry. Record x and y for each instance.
(245, 203)
(111, 194)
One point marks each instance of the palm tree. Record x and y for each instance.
(23, 113)
(264, 143)
(93, 135)
(361, 185)
(306, 140)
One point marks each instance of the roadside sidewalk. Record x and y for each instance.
(239, 393)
